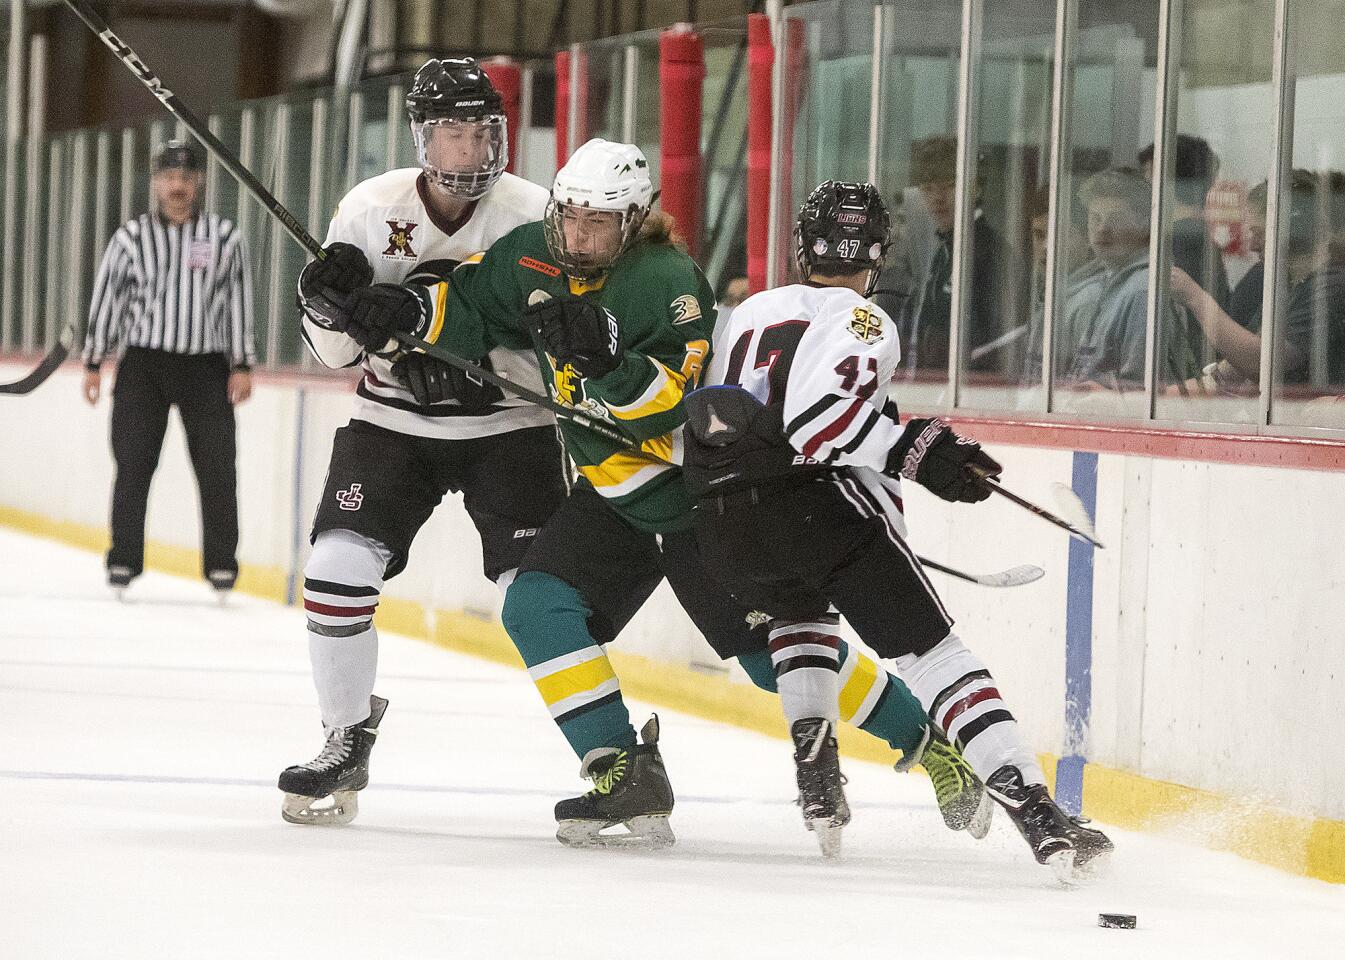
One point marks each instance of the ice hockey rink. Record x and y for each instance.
(139, 818)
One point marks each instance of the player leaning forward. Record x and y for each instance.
(619, 318)
(801, 373)
(395, 460)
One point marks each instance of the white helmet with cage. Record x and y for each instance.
(601, 177)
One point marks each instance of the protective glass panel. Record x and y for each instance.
(1309, 351)
(1101, 295)
(1005, 271)
(918, 105)
(1214, 221)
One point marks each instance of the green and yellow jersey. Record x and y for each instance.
(665, 309)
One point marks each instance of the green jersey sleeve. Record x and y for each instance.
(477, 306)
(666, 324)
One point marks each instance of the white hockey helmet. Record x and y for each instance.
(600, 176)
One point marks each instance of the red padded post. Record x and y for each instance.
(563, 104)
(681, 77)
(507, 77)
(760, 60)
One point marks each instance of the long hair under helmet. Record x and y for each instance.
(457, 91)
(606, 176)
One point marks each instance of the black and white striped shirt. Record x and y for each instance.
(182, 288)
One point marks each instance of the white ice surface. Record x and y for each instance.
(140, 742)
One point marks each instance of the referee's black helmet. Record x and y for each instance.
(177, 154)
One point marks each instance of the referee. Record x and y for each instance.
(175, 292)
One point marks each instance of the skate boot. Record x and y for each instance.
(1072, 850)
(630, 789)
(821, 784)
(340, 771)
(222, 582)
(960, 794)
(119, 578)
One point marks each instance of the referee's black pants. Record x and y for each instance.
(149, 382)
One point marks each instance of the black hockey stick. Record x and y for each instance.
(1013, 577)
(1086, 535)
(54, 358)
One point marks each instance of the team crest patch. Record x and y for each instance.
(685, 309)
(539, 266)
(399, 239)
(866, 327)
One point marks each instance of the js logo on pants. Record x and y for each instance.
(352, 498)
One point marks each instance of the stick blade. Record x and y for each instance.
(1013, 577)
(1073, 511)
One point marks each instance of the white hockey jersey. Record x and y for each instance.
(829, 355)
(386, 217)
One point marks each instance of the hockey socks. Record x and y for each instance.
(806, 657)
(548, 622)
(962, 699)
(870, 698)
(342, 582)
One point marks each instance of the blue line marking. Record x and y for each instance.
(1078, 646)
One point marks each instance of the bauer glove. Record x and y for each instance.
(579, 333)
(378, 312)
(950, 466)
(325, 285)
(431, 381)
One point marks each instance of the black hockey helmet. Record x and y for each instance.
(457, 91)
(177, 155)
(842, 228)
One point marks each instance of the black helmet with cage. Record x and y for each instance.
(842, 228)
(458, 125)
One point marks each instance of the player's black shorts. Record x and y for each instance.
(792, 551)
(615, 568)
(384, 485)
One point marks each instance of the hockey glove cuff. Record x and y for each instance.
(579, 333)
(325, 285)
(948, 465)
(431, 381)
(378, 312)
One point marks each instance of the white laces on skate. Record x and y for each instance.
(335, 751)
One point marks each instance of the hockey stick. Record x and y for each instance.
(245, 178)
(1088, 535)
(54, 358)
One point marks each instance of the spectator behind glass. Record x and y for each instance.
(1106, 304)
(1195, 167)
(1076, 263)
(998, 289)
(1314, 250)
(1244, 303)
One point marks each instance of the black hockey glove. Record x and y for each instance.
(935, 457)
(579, 333)
(325, 286)
(431, 380)
(377, 312)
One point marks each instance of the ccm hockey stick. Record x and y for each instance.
(54, 358)
(1008, 578)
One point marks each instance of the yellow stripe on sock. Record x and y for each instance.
(575, 680)
(858, 687)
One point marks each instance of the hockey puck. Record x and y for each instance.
(1118, 921)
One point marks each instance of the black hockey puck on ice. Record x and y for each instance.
(1118, 921)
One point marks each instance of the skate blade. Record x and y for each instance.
(828, 833)
(1070, 872)
(119, 594)
(342, 809)
(652, 832)
(979, 825)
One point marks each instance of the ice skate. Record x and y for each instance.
(821, 784)
(340, 771)
(119, 578)
(630, 790)
(222, 582)
(960, 794)
(1073, 851)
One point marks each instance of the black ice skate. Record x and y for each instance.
(1062, 842)
(222, 582)
(821, 785)
(119, 578)
(960, 794)
(340, 771)
(630, 789)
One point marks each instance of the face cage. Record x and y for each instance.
(583, 267)
(467, 184)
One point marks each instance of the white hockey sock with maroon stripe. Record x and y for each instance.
(342, 582)
(958, 692)
(806, 655)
